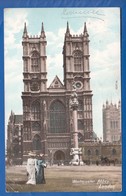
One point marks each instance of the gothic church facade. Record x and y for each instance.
(47, 117)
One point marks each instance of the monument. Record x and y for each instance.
(76, 152)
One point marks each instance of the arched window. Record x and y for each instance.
(57, 117)
(77, 61)
(16, 150)
(15, 147)
(89, 152)
(16, 131)
(113, 151)
(35, 110)
(36, 142)
(35, 126)
(80, 124)
(80, 105)
(35, 62)
(97, 152)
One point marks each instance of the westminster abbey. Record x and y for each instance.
(47, 124)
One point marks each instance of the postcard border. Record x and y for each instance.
(61, 3)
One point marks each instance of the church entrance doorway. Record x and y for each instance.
(59, 157)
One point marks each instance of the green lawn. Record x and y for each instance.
(68, 179)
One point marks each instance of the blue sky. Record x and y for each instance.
(103, 26)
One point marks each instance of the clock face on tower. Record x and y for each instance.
(79, 85)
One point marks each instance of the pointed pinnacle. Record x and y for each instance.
(85, 28)
(42, 31)
(67, 30)
(25, 28)
(25, 34)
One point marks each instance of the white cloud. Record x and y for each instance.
(55, 39)
(13, 21)
(13, 24)
(56, 60)
(106, 58)
(13, 63)
(51, 37)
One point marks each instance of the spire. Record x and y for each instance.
(85, 27)
(67, 29)
(11, 116)
(25, 33)
(85, 30)
(42, 31)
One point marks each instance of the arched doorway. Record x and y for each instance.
(59, 156)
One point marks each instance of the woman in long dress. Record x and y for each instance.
(40, 177)
(31, 168)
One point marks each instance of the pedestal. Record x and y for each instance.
(77, 156)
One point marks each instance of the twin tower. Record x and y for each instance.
(47, 118)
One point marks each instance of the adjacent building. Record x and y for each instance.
(111, 122)
(14, 139)
(93, 151)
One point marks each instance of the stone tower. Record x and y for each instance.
(111, 122)
(77, 70)
(35, 85)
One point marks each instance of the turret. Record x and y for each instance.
(85, 33)
(67, 30)
(107, 104)
(25, 33)
(42, 31)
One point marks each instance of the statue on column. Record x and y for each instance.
(75, 151)
(74, 97)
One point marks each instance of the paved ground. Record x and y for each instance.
(67, 179)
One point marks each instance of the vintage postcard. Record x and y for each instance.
(63, 99)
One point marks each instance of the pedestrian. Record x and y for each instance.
(40, 177)
(31, 167)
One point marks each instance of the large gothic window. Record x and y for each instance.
(57, 118)
(36, 142)
(77, 61)
(35, 62)
(35, 111)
